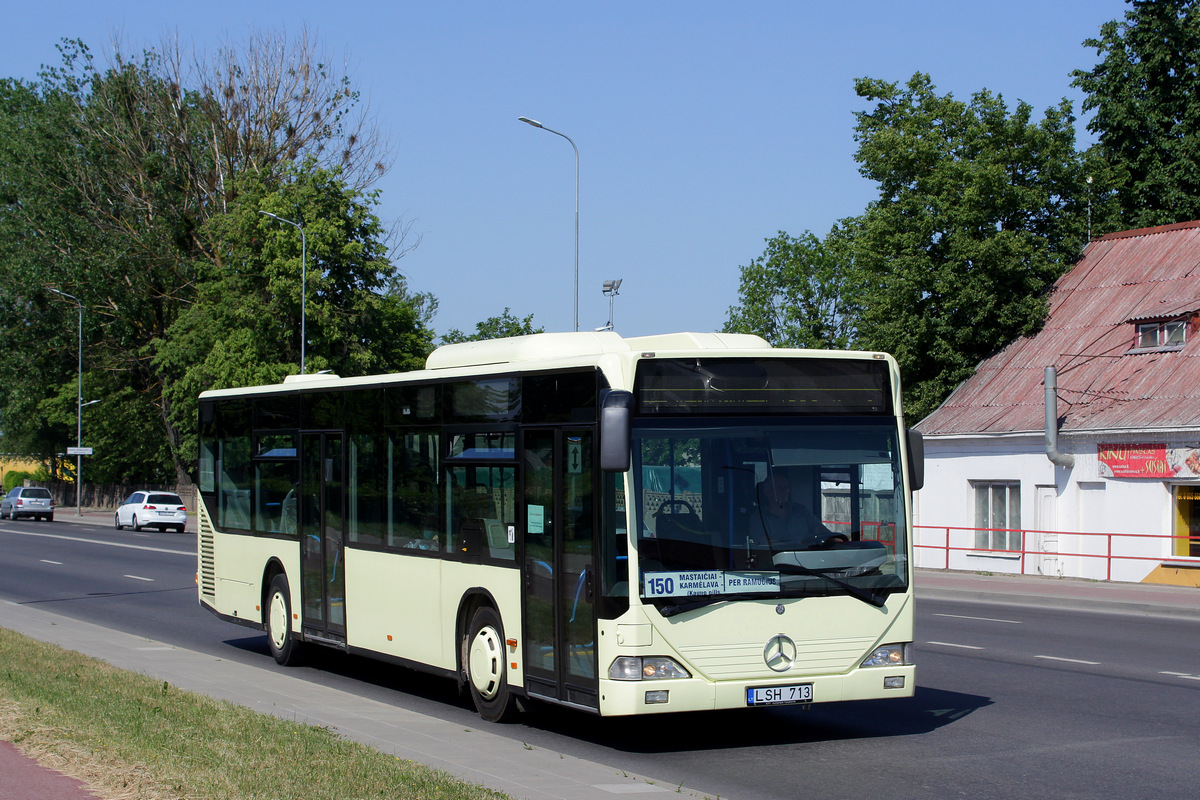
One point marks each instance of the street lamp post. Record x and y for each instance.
(610, 291)
(303, 279)
(78, 412)
(537, 124)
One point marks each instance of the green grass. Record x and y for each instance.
(128, 735)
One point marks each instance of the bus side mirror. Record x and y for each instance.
(916, 460)
(616, 430)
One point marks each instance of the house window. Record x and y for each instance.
(1159, 335)
(998, 515)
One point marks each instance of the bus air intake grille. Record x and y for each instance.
(734, 660)
(208, 583)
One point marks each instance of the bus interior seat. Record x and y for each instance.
(497, 538)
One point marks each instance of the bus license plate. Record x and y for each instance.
(779, 695)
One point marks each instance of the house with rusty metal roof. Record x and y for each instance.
(1076, 451)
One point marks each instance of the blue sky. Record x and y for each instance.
(703, 127)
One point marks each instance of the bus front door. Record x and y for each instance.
(322, 573)
(559, 574)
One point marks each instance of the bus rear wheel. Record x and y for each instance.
(486, 668)
(285, 649)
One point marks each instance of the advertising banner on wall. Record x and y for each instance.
(1148, 461)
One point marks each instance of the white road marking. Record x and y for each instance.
(139, 578)
(48, 561)
(1070, 660)
(981, 619)
(952, 644)
(191, 553)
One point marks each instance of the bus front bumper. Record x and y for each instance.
(693, 694)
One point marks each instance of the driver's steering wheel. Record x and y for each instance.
(667, 503)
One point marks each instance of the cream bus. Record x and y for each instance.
(622, 526)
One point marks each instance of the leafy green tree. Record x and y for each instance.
(1145, 92)
(499, 327)
(122, 187)
(17, 477)
(118, 412)
(980, 209)
(40, 239)
(244, 328)
(799, 293)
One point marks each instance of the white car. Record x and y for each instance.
(160, 510)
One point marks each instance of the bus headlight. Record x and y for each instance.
(890, 655)
(648, 668)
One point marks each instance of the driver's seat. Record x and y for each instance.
(686, 525)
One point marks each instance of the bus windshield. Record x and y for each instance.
(755, 509)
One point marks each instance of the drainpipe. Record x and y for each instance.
(1061, 459)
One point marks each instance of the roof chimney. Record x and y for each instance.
(1061, 459)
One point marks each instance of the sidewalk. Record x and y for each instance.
(1146, 599)
(474, 754)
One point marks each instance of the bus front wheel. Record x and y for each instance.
(484, 663)
(284, 647)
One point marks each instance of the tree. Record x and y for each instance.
(499, 327)
(39, 235)
(112, 182)
(799, 293)
(244, 327)
(979, 211)
(1145, 92)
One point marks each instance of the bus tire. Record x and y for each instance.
(486, 667)
(285, 648)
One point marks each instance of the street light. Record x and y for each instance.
(610, 291)
(78, 412)
(303, 278)
(537, 124)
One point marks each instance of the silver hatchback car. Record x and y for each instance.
(28, 501)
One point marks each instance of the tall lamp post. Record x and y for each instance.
(537, 124)
(78, 411)
(303, 278)
(610, 291)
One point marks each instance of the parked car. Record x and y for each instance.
(161, 510)
(28, 501)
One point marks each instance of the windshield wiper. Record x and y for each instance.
(712, 599)
(870, 597)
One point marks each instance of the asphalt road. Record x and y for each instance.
(1012, 702)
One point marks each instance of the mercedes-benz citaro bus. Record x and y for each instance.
(622, 526)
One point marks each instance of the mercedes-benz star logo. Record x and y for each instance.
(780, 653)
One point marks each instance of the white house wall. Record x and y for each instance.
(1082, 505)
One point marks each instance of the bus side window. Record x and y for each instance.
(411, 475)
(235, 482)
(480, 510)
(466, 509)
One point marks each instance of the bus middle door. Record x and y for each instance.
(558, 567)
(322, 556)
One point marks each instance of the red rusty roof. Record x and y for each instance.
(1104, 383)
